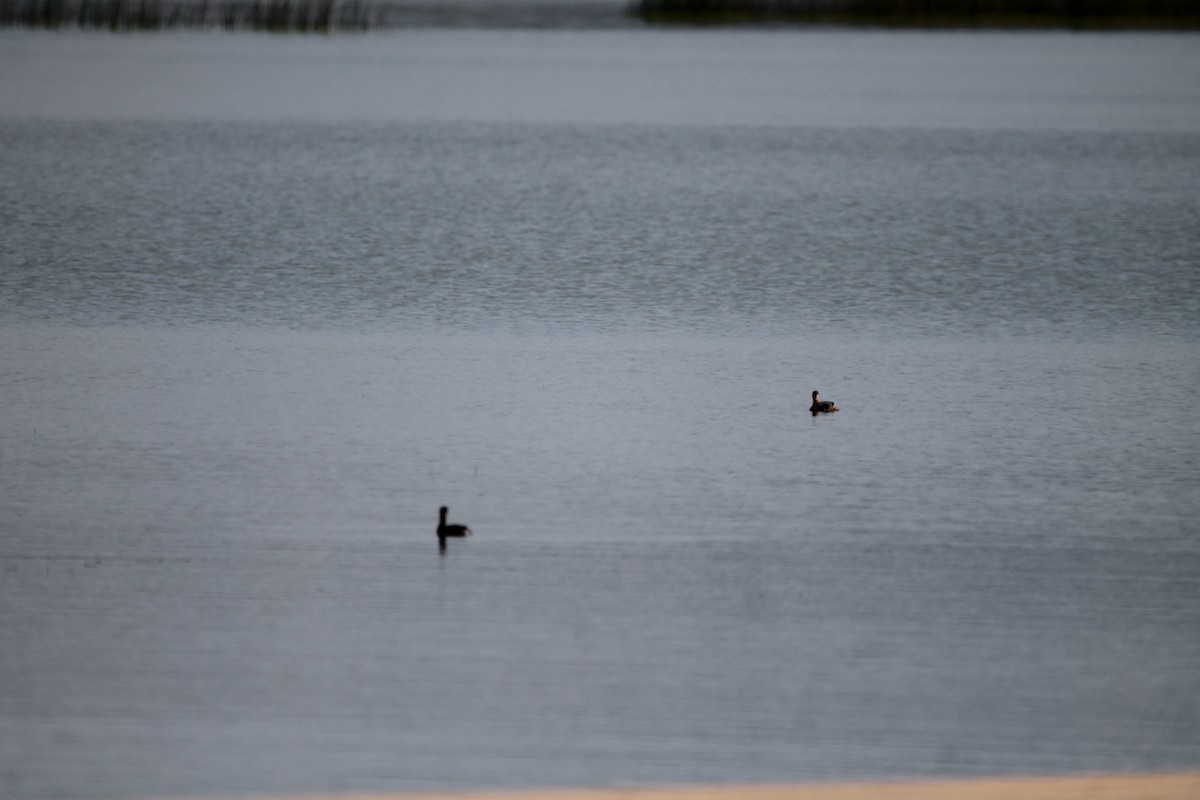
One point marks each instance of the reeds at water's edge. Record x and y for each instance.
(1101, 14)
(331, 15)
(265, 15)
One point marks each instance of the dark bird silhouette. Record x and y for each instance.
(822, 406)
(445, 530)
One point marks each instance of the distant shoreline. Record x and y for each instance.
(324, 16)
(301, 16)
(969, 14)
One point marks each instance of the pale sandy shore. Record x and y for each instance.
(1158, 786)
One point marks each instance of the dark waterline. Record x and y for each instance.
(1061, 14)
(309, 16)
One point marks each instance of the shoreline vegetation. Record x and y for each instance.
(1069, 14)
(325, 16)
(299, 16)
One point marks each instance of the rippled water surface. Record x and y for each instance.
(257, 325)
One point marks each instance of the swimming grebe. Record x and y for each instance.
(445, 530)
(818, 406)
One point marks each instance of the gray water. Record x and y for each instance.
(267, 302)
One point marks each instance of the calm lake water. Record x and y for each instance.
(266, 302)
